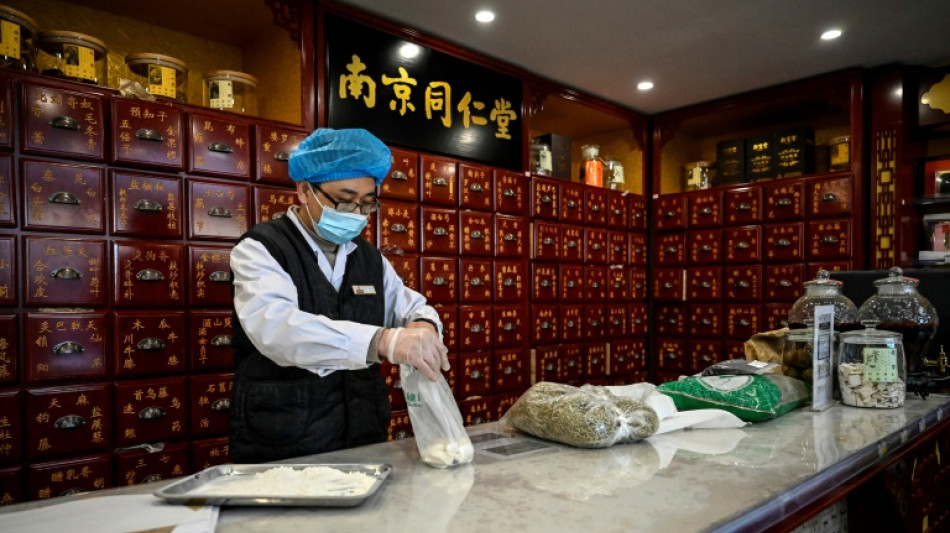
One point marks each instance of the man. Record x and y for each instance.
(316, 307)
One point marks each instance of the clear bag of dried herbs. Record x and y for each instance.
(585, 417)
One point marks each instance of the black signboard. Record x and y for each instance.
(429, 101)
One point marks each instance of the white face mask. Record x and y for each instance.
(336, 226)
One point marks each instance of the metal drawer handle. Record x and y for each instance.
(399, 228)
(784, 283)
(509, 282)
(829, 239)
(742, 245)
(618, 248)
(783, 243)
(147, 204)
(670, 250)
(69, 422)
(151, 413)
(595, 208)
(705, 321)
(282, 156)
(669, 214)
(220, 276)
(783, 202)
(571, 204)
(509, 193)
(399, 175)
(571, 284)
(477, 234)
(151, 343)
(220, 212)
(510, 237)
(744, 322)
(476, 187)
(221, 340)
(546, 199)
(667, 285)
(509, 370)
(618, 321)
(596, 246)
(475, 374)
(638, 215)
(153, 478)
(440, 232)
(639, 285)
(275, 216)
(149, 134)
(829, 197)
(618, 212)
(618, 284)
(547, 240)
(670, 355)
(65, 123)
(743, 284)
(66, 273)
(545, 325)
(783, 323)
(572, 244)
(545, 283)
(149, 274)
(706, 211)
(595, 285)
(621, 358)
(744, 206)
(440, 281)
(571, 364)
(638, 320)
(706, 248)
(508, 326)
(440, 182)
(63, 197)
(477, 328)
(68, 348)
(672, 321)
(222, 404)
(706, 359)
(705, 285)
(476, 282)
(637, 250)
(220, 147)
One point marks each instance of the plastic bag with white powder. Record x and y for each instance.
(436, 420)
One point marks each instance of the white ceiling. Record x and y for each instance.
(692, 50)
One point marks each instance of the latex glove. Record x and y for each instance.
(422, 324)
(417, 347)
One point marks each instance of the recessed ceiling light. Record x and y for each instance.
(409, 50)
(645, 85)
(484, 16)
(831, 34)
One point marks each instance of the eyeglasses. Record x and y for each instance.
(365, 208)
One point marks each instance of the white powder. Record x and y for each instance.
(284, 481)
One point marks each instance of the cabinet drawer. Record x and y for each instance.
(65, 272)
(62, 123)
(391, 375)
(153, 410)
(704, 353)
(511, 370)
(273, 146)
(704, 284)
(545, 284)
(476, 233)
(400, 427)
(510, 325)
(705, 209)
(783, 242)
(407, 268)
(449, 316)
(544, 198)
(784, 200)
(146, 205)
(571, 278)
(637, 284)
(399, 227)
(618, 247)
(743, 206)
(618, 210)
(270, 203)
(572, 322)
(475, 327)
(12, 483)
(69, 420)
(705, 320)
(626, 356)
(743, 244)
(743, 283)
(595, 246)
(595, 321)
(210, 403)
(206, 453)
(829, 239)
(147, 133)
(511, 235)
(546, 241)
(475, 374)
(439, 181)
(440, 231)
(8, 211)
(511, 281)
(574, 362)
(668, 284)
(670, 249)
(637, 321)
(670, 320)
(595, 206)
(671, 354)
(63, 197)
(64, 478)
(638, 249)
(139, 465)
(742, 321)
(8, 271)
(66, 346)
(440, 279)
(571, 209)
(572, 243)
(812, 268)
(476, 282)
(6, 113)
(511, 193)
(476, 411)
(209, 276)
(12, 427)
(617, 283)
(219, 209)
(150, 343)
(705, 246)
(616, 317)
(219, 145)
(548, 363)
(544, 323)
(637, 206)
(210, 333)
(829, 197)
(784, 282)
(669, 212)
(148, 272)
(402, 183)
(775, 316)
(596, 364)
(595, 283)
(9, 351)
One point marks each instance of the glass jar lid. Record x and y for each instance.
(896, 278)
(870, 336)
(234, 75)
(139, 62)
(823, 279)
(19, 18)
(52, 42)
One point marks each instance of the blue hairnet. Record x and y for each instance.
(330, 155)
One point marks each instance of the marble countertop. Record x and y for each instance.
(684, 481)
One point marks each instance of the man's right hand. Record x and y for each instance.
(418, 347)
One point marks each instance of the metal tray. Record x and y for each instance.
(182, 491)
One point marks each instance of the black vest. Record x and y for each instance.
(281, 412)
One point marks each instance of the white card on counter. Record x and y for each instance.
(822, 388)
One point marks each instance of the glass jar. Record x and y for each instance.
(898, 306)
(615, 175)
(839, 157)
(161, 75)
(230, 90)
(697, 175)
(592, 167)
(797, 353)
(74, 56)
(872, 368)
(17, 40)
(542, 163)
(823, 291)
